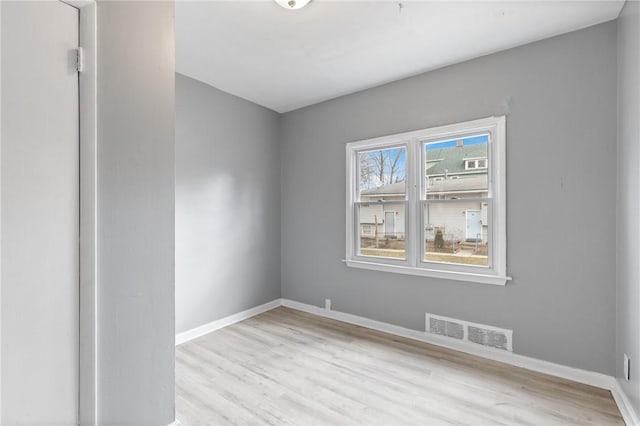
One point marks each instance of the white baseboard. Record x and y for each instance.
(176, 422)
(599, 380)
(194, 333)
(629, 415)
(546, 367)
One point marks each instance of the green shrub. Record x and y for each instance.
(439, 240)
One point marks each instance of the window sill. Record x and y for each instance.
(433, 273)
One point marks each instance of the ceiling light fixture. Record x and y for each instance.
(293, 4)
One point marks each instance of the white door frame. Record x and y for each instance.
(393, 215)
(88, 333)
(0, 222)
(466, 220)
(88, 361)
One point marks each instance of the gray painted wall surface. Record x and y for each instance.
(628, 244)
(227, 204)
(136, 124)
(560, 98)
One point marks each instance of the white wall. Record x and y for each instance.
(452, 217)
(370, 213)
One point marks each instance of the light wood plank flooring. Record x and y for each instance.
(287, 367)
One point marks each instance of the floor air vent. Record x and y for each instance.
(446, 328)
(484, 335)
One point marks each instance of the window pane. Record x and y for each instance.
(457, 168)
(383, 174)
(457, 232)
(381, 230)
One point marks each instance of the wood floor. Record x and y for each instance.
(287, 367)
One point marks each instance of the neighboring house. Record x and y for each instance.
(452, 173)
(389, 218)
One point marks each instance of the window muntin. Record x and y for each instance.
(427, 189)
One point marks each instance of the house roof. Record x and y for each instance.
(392, 189)
(468, 183)
(452, 158)
(472, 183)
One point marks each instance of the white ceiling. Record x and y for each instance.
(286, 60)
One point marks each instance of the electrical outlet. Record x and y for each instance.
(626, 367)
(327, 304)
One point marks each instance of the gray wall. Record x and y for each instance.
(628, 244)
(136, 108)
(560, 98)
(227, 204)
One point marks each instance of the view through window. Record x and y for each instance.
(455, 210)
(383, 205)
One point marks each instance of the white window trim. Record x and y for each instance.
(414, 264)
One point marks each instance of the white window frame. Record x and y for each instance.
(414, 264)
(352, 226)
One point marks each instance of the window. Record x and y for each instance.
(382, 200)
(430, 202)
(479, 163)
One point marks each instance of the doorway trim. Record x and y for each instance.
(88, 291)
(88, 361)
(0, 219)
(391, 213)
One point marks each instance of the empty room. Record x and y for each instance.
(319, 212)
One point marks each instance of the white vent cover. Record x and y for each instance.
(480, 334)
(445, 328)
